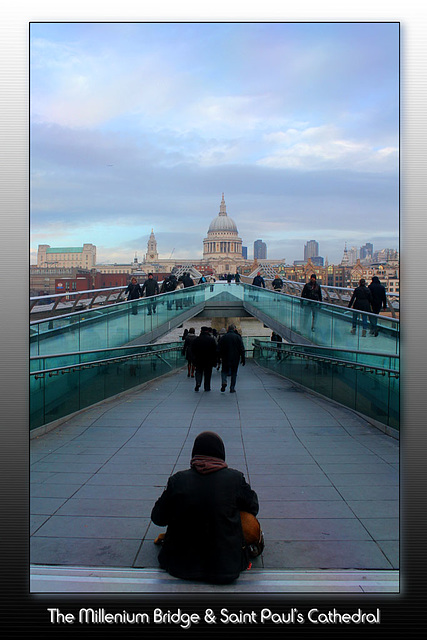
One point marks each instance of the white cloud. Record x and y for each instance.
(323, 148)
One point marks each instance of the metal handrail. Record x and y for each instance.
(94, 363)
(78, 353)
(335, 361)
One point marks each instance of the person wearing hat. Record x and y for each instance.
(258, 281)
(201, 507)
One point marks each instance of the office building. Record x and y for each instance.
(311, 249)
(260, 250)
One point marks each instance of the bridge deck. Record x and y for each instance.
(327, 481)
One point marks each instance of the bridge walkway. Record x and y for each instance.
(327, 481)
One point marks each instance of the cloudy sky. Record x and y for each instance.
(137, 126)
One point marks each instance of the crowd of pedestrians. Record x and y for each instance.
(212, 350)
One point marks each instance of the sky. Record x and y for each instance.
(141, 126)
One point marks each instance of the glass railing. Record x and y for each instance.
(110, 326)
(65, 383)
(118, 324)
(363, 381)
(326, 324)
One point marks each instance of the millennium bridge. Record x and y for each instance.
(314, 426)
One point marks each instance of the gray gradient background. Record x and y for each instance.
(405, 608)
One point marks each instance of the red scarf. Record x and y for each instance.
(207, 464)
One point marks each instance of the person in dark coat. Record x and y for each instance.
(186, 351)
(231, 352)
(188, 281)
(201, 508)
(134, 292)
(277, 283)
(229, 278)
(151, 288)
(237, 277)
(361, 300)
(312, 291)
(204, 355)
(379, 299)
(276, 338)
(169, 284)
(258, 281)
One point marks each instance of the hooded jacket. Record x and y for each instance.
(201, 509)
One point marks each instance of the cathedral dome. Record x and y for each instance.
(222, 222)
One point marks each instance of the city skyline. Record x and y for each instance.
(137, 126)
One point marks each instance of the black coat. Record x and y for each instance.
(258, 281)
(204, 538)
(188, 282)
(186, 349)
(361, 299)
(379, 298)
(277, 283)
(312, 293)
(231, 350)
(134, 291)
(150, 287)
(203, 350)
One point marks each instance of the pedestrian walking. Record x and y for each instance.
(169, 284)
(134, 292)
(187, 352)
(361, 300)
(277, 283)
(237, 277)
(231, 352)
(312, 291)
(204, 354)
(379, 299)
(151, 288)
(206, 537)
(258, 281)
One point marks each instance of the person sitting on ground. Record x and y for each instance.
(201, 508)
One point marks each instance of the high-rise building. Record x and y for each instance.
(353, 255)
(366, 252)
(260, 250)
(311, 249)
(245, 253)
